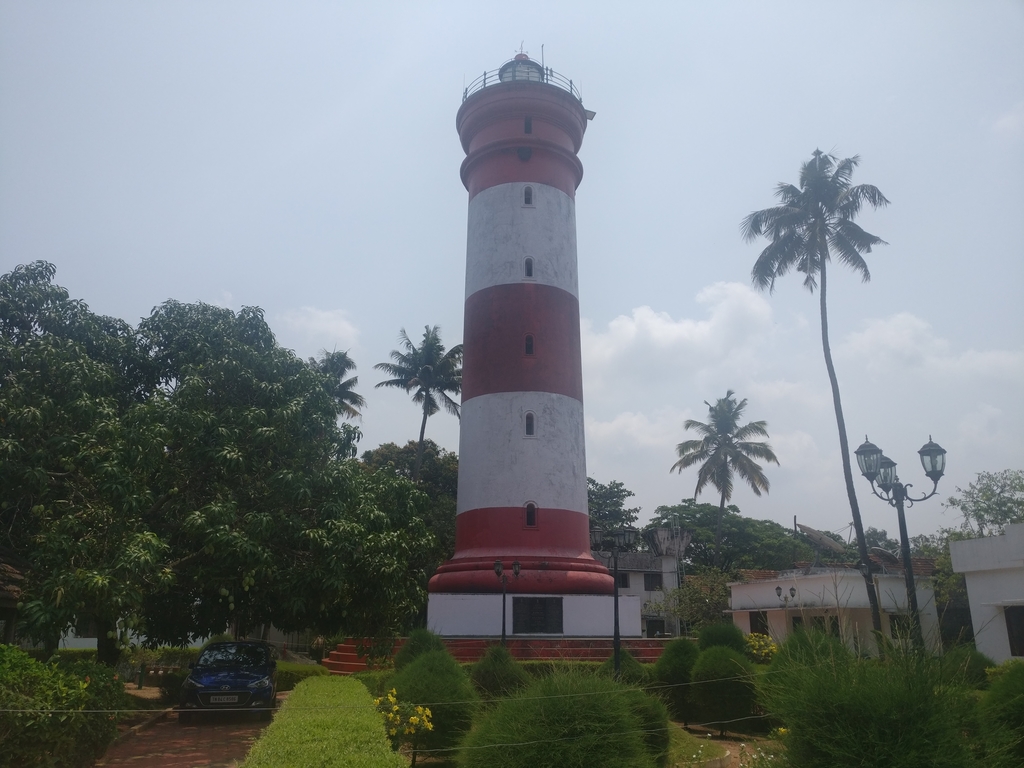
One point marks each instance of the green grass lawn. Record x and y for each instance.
(686, 749)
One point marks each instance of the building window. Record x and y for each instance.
(529, 344)
(531, 426)
(528, 267)
(1015, 628)
(528, 196)
(656, 628)
(531, 515)
(623, 581)
(528, 125)
(652, 582)
(758, 623)
(798, 623)
(536, 615)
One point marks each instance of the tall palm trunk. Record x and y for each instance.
(419, 445)
(718, 532)
(844, 449)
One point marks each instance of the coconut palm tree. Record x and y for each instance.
(337, 365)
(810, 225)
(430, 373)
(724, 448)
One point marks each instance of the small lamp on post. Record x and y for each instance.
(621, 538)
(880, 470)
(499, 571)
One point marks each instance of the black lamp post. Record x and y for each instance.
(499, 571)
(879, 468)
(620, 538)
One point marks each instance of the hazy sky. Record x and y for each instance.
(302, 157)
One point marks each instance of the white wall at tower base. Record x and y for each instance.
(465, 615)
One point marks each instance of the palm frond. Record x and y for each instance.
(852, 200)
(752, 429)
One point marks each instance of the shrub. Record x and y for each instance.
(652, 717)
(841, 711)
(419, 641)
(966, 664)
(1002, 716)
(497, 674)
(725, 635)
(377, 681)
(538, 668)
(631, 671)
(30, 691)
(328, 722)
(723, 689)
(568, 719)
(436, 680)
(290, 674)
(672, 672)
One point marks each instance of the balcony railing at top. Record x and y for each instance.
(538, 75)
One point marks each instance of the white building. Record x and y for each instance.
(835, 599)
(994, 569)
(646, 577)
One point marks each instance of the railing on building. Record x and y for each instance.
(536, 73)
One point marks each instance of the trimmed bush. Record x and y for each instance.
(724, 635)
(723, 688)
(328, 722)
(652, 716)
(967, 664)
(631, 671)
(30, 691)
(435, 680)
(497, 674)
(841, 711)
(570, 720)
(672, 674)
(419, 641)
(1002, 716)
(377, 681)
(290, 673)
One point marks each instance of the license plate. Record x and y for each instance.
(224, 699)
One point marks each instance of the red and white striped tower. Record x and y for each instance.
(522, 466)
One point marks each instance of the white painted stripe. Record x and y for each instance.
(503, 232)
(499, 466)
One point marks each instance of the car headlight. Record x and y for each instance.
(190, 683)
(262, 683)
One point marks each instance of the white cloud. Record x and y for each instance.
(327, 328)
(1011, 124)
(630, 430)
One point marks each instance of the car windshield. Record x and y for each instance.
(233, 655)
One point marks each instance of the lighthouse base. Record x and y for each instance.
(533, 615)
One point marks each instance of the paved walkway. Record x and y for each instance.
(221, 740)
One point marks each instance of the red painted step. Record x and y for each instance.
(345, 659)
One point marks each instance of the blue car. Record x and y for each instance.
(238, 675)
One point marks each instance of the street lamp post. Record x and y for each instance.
(620, 538)
(499, 571)
(877, 467)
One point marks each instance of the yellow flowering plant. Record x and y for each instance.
(403, 722)
(760, 648)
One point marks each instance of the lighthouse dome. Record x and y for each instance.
(522, 67)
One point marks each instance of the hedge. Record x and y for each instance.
(329, 722)
(290, 674)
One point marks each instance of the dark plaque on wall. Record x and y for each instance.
(536, 615)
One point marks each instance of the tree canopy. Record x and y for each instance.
(187, 476)
(607, 505)
(990, 503)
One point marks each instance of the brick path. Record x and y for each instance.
(219, 740)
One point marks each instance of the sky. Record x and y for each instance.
(302, 157)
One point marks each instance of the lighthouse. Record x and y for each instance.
(522, 526)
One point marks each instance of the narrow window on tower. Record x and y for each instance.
(528, 267)
(528, 125)
(528, 196)
(531, 515)
(529, 345)
(531, 426)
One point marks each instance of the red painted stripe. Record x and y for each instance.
(497, 321)
(499, 163)
(552, 579)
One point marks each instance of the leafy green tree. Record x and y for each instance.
(812, 223)
(745, 543)
(990, 503)
(724, 448)
(607, 505)
(430, 373)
